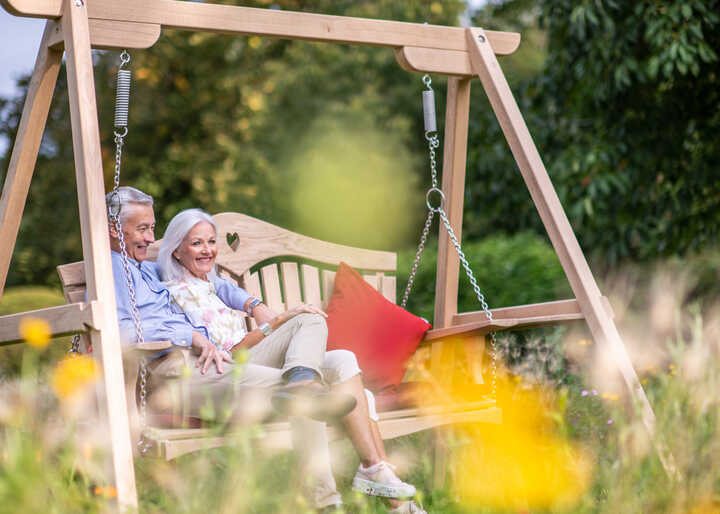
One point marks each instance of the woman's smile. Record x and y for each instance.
(198, 250)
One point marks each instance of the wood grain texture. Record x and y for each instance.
(96, 245)
(271, 286)
(63, 320)
(270, 22)
(453, 186)
(259, 240)
(429, 60)
(558, 227)
(311, 284)
(110, 35)
(291, 284)
(25, 148)
(174, 443)
(327, 280)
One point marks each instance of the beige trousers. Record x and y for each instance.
(243, 391)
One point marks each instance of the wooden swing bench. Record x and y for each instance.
(74, 27)
(245, 244)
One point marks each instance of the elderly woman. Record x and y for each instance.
(277, 350)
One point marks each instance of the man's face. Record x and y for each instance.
(138, 229)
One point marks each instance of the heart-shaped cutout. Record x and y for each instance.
(233, 240)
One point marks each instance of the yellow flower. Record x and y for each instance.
(36, 331)
(72, 375)
(525, 463)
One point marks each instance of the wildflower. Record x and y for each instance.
(73, 375)
(594, 392)
(609, 422)
(36, 331)
(584, 393)
(539, 468)
(106, 492)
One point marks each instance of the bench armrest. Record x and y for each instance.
(140, 349)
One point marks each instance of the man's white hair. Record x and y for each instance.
(127, 197)
(177, 229)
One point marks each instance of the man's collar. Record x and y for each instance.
(130, 259)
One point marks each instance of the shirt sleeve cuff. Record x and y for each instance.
(183, 337)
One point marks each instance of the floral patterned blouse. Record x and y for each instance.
(200, 303)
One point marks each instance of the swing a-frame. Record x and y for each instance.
(76, 26)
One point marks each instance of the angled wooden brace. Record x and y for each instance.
(556, 223)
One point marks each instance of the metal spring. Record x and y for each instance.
(429, 110)
(122, 98)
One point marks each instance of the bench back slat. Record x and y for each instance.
(291, 284)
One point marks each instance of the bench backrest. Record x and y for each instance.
(283, 283)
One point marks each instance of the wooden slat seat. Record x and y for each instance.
(285, 269)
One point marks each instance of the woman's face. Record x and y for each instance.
(198, 250)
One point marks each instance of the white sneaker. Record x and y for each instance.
(380, 480)
(408, 508)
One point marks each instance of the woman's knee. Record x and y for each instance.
(343, 363)
(315, 320)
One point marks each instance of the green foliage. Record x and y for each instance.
(625, 115)
(509, 270)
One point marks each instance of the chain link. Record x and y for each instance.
(478, 294)
(75, 345)
(114, 214)
(421, 247)
(434, 143)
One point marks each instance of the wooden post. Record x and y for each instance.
(26, 147)
(96, 242)
(556, 224)
(457, 112)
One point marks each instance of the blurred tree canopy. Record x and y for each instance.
(626, 115)
(621, 98)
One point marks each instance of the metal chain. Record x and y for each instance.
(478, 293)
(421, 247)
(75, 345)
(433, 143)
(114, 215)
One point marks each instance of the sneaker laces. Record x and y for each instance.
(378, 468)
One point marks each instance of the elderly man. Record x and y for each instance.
(212, 374)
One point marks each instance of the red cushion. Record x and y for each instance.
(382, 335)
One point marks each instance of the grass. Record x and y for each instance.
(570, 442)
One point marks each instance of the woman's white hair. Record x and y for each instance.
(177, 229)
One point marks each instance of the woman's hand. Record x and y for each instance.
(305, 308)
(209, 353)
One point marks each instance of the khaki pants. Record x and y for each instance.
(243, 391)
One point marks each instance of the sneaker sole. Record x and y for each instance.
(377, 489)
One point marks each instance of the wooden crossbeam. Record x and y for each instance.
(232, 19)
(106, 35)
(63, 320)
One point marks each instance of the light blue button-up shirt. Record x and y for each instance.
(159, 317)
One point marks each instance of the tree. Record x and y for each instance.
(625, 113)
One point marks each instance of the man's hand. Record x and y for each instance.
(209, 353)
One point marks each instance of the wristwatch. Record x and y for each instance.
(266, 329)
(251, 306)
